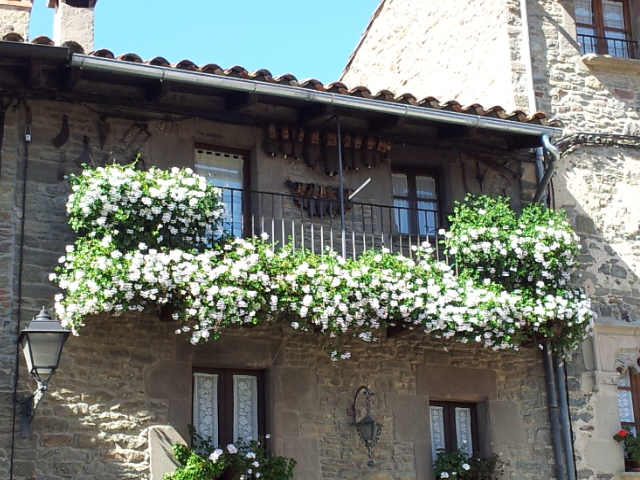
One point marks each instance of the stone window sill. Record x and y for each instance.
(629, 475)
(609, 64)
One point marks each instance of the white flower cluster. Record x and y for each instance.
(171, 207)
(510, 284)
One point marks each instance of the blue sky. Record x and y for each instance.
(307, 39)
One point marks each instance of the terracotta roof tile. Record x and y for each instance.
(385, 95)
(288, 79)
(337, 87)
(159, 62)
(263, 75)
(429, 102)
(42, 40)
(75, 47)
(212, 68)
(360, 91)
(407, 99)
(313, 84)
(186, 64)
(237, 71)
(130, 57)
(103, 53)
(13, 37)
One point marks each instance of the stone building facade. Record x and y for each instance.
(124, 390)
(534, 55)
(14, 17)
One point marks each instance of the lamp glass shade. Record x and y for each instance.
(42, 352)
(368, 429)
(42, 343)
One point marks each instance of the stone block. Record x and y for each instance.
(410, 416)
(505, 424)
(161, 459)
(285, 423)
(56, 440)
(297, 388)
(456, 383)
(168, 379)
(306, 452)
(231, 352)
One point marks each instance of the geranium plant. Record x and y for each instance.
(241, 460)
(630, 441)
(459, 465)
(148, 239)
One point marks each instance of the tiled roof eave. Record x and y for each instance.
(146, 72)
(103, 64)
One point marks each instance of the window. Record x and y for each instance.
(415, 202)
(227, 169)
(604, 27)
(453, 426)
(228, 404)
(629, 400)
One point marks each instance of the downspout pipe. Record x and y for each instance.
(565, 421)
(562, 435)
(343, 235)
(543, 181)
(554, 414)
(554, 153)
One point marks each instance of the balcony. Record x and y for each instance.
(315, 224)
(616, 47)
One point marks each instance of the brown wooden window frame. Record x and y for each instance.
(412, 199)
(246, 179)
(601, 30)
(635, 400)
(226, 400)
(449, 418)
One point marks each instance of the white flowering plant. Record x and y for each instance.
(509, 284)
(531, 256)
(173, 208)
(241, 460)
(459, 465)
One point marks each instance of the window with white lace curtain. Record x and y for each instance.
(453, 427)
(228, 404)
(629, 400)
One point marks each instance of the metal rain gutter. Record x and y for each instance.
(164, 74)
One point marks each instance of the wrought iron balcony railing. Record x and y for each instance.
(316, 223)
(616, 47)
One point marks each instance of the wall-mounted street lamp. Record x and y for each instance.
(42, 343)
(368, 428)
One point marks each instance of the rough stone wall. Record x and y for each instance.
(585, 99)
(122, 375)
(15, 19)
(74, 24)
(599, 188)
(9, 217)
(410, 44)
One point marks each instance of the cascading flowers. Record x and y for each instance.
(155, 237)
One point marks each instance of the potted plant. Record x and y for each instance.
(241, 460)
(631, 449)
(459, 465)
